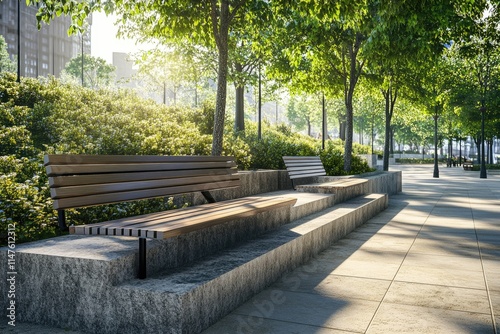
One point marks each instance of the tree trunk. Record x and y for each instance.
(350, 81)
(342, 127)
(478, 148)
(490, 150)
(221, 32)
(165, 93)
(239, 112)
(390, 100)
(348, 132)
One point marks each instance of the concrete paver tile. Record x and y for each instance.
(311, 309)
(489, 250)
(252, 324)
(438, 296)
(445, 245)
(439, 276)
(450, 230)
(360, 263)
(397, 318)
(455, 262)
(495, 302)
(303, 280)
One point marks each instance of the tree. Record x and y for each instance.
(6, 64)
(161, 72)
(96, 72)
(206, 23)
(409, 36)
(304, 111)
(323, 53)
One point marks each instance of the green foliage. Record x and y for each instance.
(477, 167)
(6, 64)
(40, 117)
(96, 72)
(25, 200)
(416, 161)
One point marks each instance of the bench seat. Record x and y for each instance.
(167, 224)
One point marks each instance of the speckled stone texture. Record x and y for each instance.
(377, 182)
(88, 283)
(62, 283)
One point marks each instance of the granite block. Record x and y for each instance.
(95, 290)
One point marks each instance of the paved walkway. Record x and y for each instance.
(430, 263)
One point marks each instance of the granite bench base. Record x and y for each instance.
(87, 284)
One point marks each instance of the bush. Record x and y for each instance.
(25, 200)
(47, 117)
(477, 167)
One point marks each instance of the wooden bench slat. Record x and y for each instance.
(242, 213)
(169, 214)
(315, 168)
(75, 180)
(53, 170)
(305, 175)
(300, 167)
(75, 202)
(299, 158)
(168, 224)
(87, 190)
(190, 214)
(71, 159)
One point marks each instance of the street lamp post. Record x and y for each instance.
(436, 168)
(482, 173)
(323, 130)
(259, 115)
(19, 41)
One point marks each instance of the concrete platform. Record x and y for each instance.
(430, 263)
(87, 283)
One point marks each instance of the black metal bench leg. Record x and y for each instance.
(142, 258)
(61, 219)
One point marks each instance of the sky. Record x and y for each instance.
(104, 40)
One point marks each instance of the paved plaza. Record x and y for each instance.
(430, 263)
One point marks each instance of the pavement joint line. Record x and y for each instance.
(299, 323)
(484, 273)
(400, 265)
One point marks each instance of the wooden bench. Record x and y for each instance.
(88, 180)
(303, 166)
(467, 165)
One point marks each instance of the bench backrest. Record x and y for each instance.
(298, 166)
(87, 180)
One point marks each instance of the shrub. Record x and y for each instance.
(47, 117)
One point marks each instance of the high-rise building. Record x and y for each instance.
(43, 52)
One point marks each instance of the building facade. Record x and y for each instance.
(43, 52)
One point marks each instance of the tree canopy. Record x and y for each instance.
(314, 46)
(6, 64)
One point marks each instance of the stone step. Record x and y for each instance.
(190, 299)
(88, 283)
